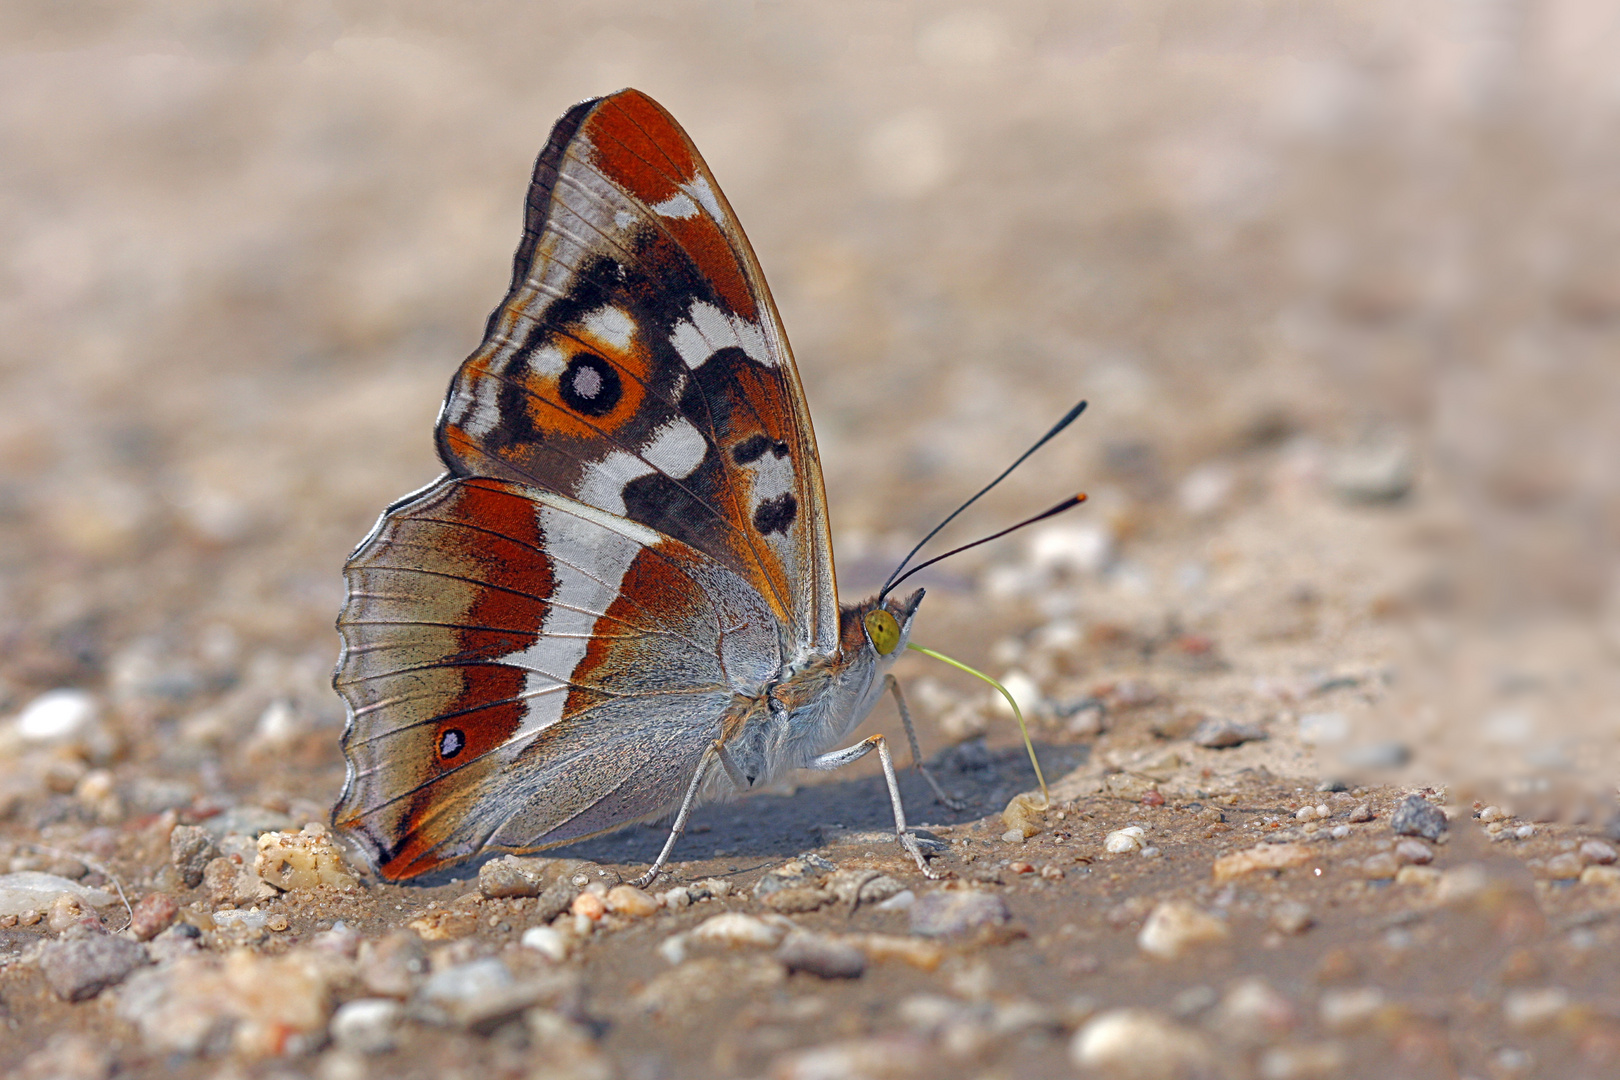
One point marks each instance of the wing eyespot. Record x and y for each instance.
(452, 741)
(590, 386)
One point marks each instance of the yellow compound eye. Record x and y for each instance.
(884, 631)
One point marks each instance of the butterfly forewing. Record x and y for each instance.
(638, 364)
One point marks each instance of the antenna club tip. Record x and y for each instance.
(1080, 498)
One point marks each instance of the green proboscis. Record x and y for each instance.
(1017, 713)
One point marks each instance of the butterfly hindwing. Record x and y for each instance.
(638, 365)
(523, 670)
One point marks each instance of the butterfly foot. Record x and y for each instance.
(909, 842)
(653, 873)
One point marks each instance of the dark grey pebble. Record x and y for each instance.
(191, 849)
(823, 956)
(78, 969)
(1216, 733)
(1417, 816)
(955, 912)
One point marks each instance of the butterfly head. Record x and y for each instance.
(881, 625)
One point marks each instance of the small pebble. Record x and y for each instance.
(820, 955)
(1596, 852)
(1260, 857)
(367, 1025)
(191, 849)
(1339, 832)
(676, 898)
(547, 941)
(69, 910)
(152, 915)
(1379, 867)
(957, 912)
(1493, 813)
(900, 901)
(1412, 852)
(81, 968)
(1175, 927)
(588, 905)
(1253, 1012)
(631, 902)
(1525, 832)
(1563, 867)
(736, 928)
(1304, 1061)
(1347, 1011)
(1051, 872)
(1140, 1045)
(1607, 876)
(1361, 814)
(1215, 733)
(1122, 841)
(1533, 1011)
(1417, 816)
(1291, 917)
(56, 715)
(1423, 877)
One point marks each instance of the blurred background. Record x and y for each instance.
(1341, 281)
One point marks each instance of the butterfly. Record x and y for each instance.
(619, 599)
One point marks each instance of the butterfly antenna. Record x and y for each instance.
(1067, 504)
(897, 577)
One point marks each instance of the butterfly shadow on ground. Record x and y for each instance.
(765, 827)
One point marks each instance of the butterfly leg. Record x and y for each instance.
(916, 755)
(714, 751)
(839, 758)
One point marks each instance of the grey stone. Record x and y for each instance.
(191, 849)
(1417, 816)
(957, 912)
(1216, 733)
(820, 955)
(80, 968)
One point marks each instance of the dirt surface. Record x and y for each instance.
(1342, 284)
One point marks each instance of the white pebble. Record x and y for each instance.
(1139, 1044)
(1339, 832)
(1150, 853)
(900, 901)
(248, 920)
(676, 898)
(547, 942)
(736, 928)
(1493, 813)
(1123, 840)
(366, 1025)
(1175, 926)
(1525, 832)
(56, 714)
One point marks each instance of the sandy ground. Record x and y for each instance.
(1342, 284)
